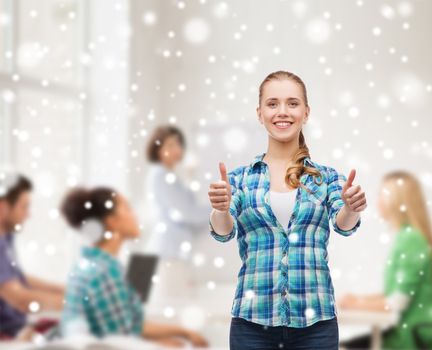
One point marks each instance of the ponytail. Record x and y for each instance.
(294, 172)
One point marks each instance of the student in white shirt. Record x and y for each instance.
(177, 217)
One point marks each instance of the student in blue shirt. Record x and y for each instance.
(18, 289)
(279, 207)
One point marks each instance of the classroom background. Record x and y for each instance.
(84, 83)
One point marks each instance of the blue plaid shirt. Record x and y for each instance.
(284, 279)
(99, 300)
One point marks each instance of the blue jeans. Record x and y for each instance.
(246, 335)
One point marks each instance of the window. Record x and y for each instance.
(5, 31)
(41, 115)
(41, 42)
(47, 44)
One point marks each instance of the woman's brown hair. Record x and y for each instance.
(82, 204)
(294, 172)
(158, 138)
(20, 184)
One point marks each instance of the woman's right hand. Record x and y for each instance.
(220, 192)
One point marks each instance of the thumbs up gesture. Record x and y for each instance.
(352, 195)
(220, 191)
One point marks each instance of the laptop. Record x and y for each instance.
(140, 271)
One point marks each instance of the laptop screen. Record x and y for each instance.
(140, 272)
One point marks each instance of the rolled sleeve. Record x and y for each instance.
(224, 238)
(335, 202)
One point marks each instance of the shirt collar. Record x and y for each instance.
(259, 159)
(97, 253)
(406, 227)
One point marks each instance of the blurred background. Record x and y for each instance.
(84, 83)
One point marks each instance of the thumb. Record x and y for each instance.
(223, 172)
(350, 180)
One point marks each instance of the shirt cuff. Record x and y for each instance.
(223, 238)
(344, 232)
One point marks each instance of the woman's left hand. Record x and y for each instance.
(353, 196)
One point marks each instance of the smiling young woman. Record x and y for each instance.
(279, 207)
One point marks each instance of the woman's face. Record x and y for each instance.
(123, 220)
(283, 110)
(171, 151)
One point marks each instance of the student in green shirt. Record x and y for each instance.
(408, 274)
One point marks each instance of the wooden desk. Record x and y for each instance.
(376, 321)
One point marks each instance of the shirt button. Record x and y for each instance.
(284, 274)
(283, 293)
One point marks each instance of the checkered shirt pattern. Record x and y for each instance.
(99, 295)
(284, 279)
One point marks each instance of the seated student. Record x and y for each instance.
(17, 289)
(99, 300)
(408, 273)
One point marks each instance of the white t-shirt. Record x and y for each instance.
(282, 204)
(176, 214)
